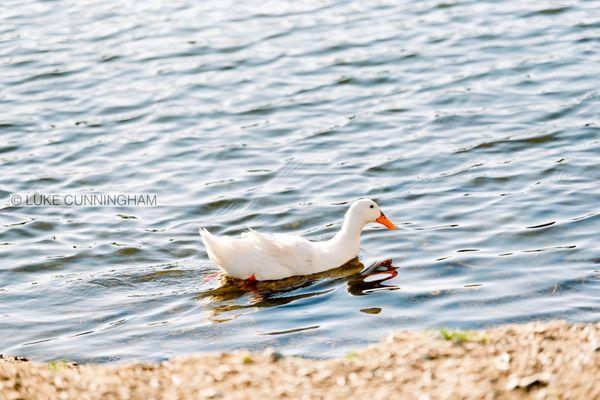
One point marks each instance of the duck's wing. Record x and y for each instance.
(295, 254)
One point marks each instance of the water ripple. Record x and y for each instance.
(474, 124)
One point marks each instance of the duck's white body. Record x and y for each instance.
(278, 256)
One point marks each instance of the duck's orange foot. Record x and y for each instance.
(251, 282)
(384, 263)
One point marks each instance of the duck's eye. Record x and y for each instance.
(372, 206)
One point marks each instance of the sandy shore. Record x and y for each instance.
(552, 360)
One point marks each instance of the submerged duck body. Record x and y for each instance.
(277, 256)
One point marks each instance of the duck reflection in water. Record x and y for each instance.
(235, 294)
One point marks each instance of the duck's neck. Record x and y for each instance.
(346, 242)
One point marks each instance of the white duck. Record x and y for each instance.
(259, 256)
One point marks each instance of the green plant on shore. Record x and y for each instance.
(351, 355)
(55, 365)
(462, 336)
(246, 359)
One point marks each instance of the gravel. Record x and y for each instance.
(541, 360)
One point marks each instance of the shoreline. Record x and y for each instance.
(537, 360)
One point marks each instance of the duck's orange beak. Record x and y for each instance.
(384, 221)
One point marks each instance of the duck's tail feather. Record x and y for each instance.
(212, 245)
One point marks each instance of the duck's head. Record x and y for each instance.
(366, 210)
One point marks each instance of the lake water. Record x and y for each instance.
(475, 125)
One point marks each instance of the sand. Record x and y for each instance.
(550, 360)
